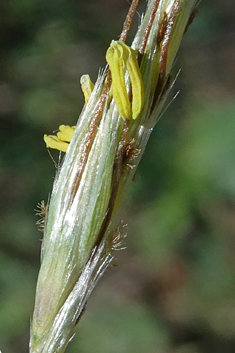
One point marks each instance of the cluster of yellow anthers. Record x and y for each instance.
(119, 57)
(61, 140)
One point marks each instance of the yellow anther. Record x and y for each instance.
(136, 82)
(114, 57)
(65, 133)
(119, 56)
(87, 86)
(55, 143)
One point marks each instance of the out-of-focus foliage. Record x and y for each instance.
(174, 287)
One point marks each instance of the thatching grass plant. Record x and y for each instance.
(102, 153)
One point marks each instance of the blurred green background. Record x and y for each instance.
(173, 289)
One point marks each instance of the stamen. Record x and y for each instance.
(87, 87)
(115, 60)
(55, 143)
(66, 133)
